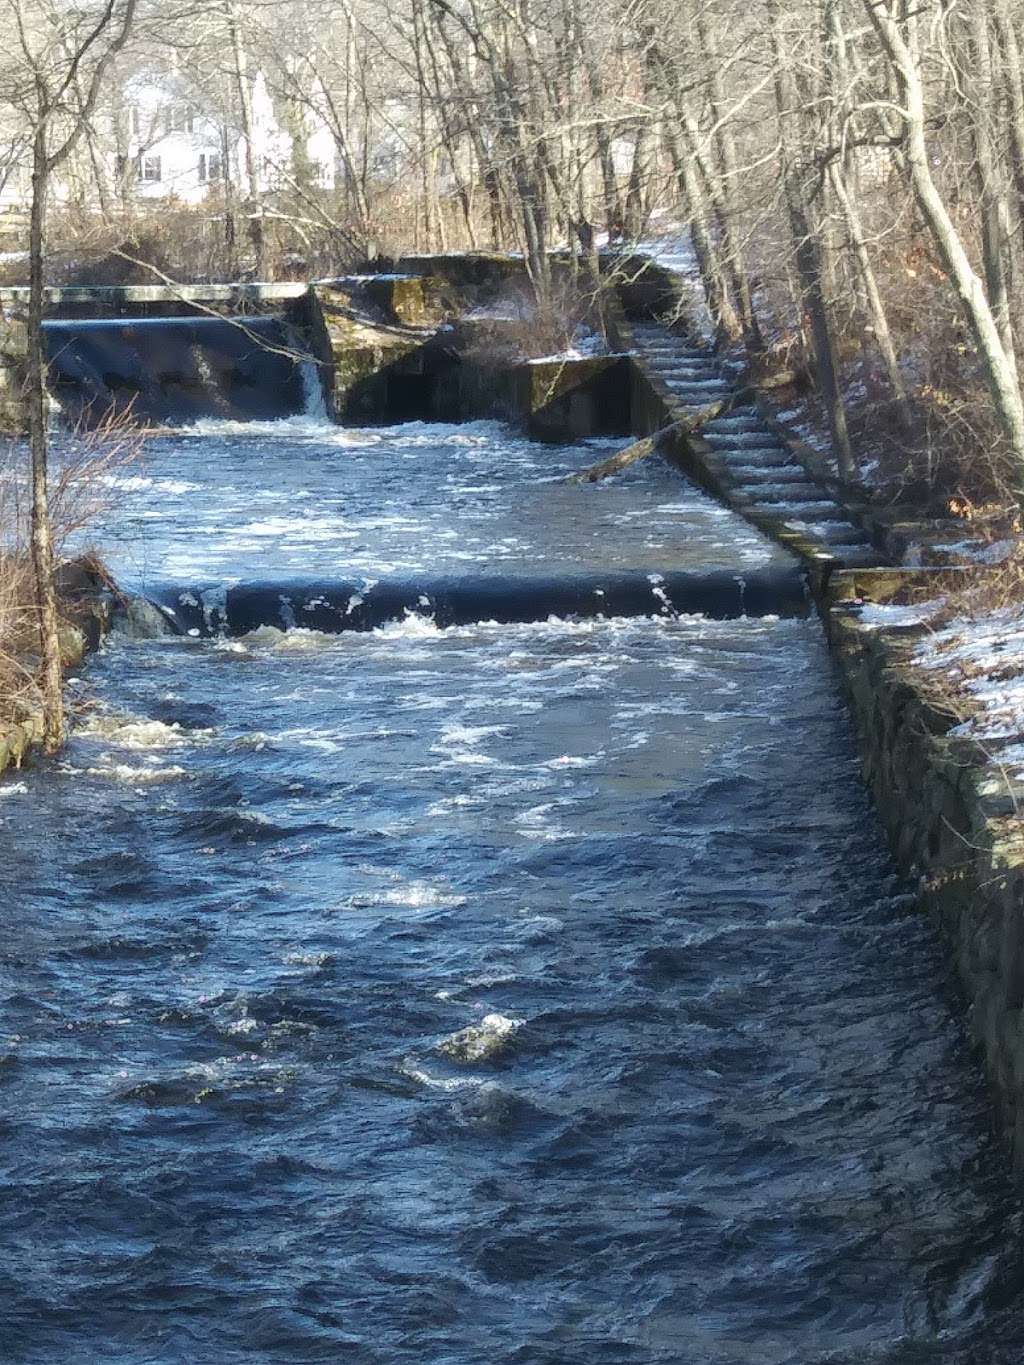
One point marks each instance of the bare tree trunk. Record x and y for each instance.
(901, 52)
(728, 206)
(807, 249)
(662, 82)
(723, 315)
(876, 308)
(245, 117)
(1013, 82)
(36, 400)
(230, 206)
(639, 177)
(995, 236)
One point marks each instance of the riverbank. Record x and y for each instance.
(84, 597)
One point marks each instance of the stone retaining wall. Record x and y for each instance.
(954, 823)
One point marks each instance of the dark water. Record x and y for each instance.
(537, 994)
(178, 369)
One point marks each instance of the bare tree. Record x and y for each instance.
(64, 54)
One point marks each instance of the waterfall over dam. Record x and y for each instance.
(172, 370)
(332, 606)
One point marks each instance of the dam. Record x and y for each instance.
(398, 971)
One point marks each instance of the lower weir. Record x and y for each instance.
(333, 606)
(467, 987)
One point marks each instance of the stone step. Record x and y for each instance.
(695, 397)
(652, 358)
(812, 512)
(829, 533)
(730, 425)
(782, 492)
(855, 556)
(744, 441)
(765, 476)
(684, 371)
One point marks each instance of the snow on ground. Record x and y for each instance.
(978, 660)
(886, 615)
(669, 243)
(501, 310)
(981, 659)
(585, 344)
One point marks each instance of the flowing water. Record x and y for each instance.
(538, 994)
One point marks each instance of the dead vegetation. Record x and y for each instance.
(516, 326)
(87, 466)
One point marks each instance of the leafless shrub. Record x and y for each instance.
(86, 465)
(514, 327)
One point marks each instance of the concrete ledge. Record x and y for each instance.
(116, 298)
(566, 400)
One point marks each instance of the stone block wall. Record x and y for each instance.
(954, 825)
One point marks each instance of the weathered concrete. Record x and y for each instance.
(646, 288)
(388, 345)
(953, 817)
(362, 351)
(566, 400)
(652, 408)
(153, 300)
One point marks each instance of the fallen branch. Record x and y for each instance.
(639, 450)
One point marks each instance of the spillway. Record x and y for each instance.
(178, 369)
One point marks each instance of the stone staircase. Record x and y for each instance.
(746, 460)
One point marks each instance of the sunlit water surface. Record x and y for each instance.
(537, 994)
(296, 499)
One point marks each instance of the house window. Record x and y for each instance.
(180, 118)
(149, 169)
(135, 120)
(210, 167)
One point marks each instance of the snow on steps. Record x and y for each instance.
(760, 478)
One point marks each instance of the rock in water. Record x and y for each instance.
(481, 1042)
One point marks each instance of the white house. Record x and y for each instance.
(176, 148)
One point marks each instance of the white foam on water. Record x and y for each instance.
(574, 760)
(536, 824)
(469, 735)
(301, 427)
(413, 626)
(298, 640)
(309, 959)
(447, 1083)
(133, 483)
(134, 775)
(417, 895)
(137, 733)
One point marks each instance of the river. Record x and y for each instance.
(535, 994)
